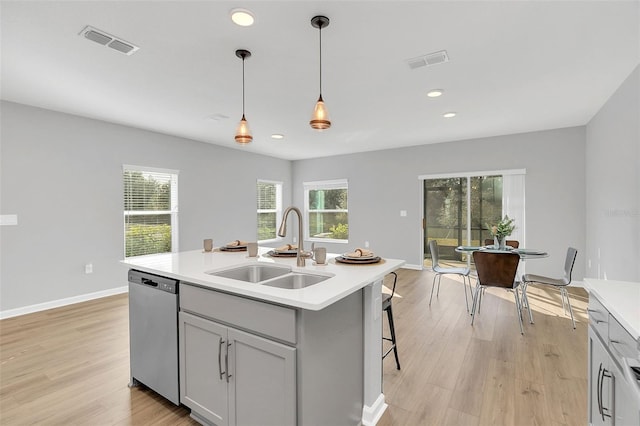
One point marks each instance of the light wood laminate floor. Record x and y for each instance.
(70, 366)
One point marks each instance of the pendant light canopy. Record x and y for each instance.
(320, 117)
(243, 133)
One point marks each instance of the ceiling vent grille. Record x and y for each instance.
(428, 60)
(108, 40)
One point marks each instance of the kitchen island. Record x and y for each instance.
(312, 354)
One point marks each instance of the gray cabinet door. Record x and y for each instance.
(203, 384)
(262, 386)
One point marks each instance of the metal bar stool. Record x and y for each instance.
(386, 306)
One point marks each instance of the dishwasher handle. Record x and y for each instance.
(149, 282)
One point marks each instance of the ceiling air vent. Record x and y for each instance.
(108, 40)
(428, 60)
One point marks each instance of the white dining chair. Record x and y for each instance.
(559, 283)
(440, 271)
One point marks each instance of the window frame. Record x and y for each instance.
(277, 210)
(172, 212)
(324, 184)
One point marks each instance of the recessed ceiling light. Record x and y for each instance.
(242, 17)
(435, 93)
(277, 136)
(449, 114)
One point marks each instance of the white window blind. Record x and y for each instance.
(150, 210)
(269, 207)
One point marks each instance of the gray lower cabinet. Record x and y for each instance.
(248, 362)
(231, 377)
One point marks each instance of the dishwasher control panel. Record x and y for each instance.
(161, 283)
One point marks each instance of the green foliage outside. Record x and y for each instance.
(340, 231)
(147, 239)
(325, 218)
(266, 226)
(447, 206)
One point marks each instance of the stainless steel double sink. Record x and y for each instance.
(271, 275)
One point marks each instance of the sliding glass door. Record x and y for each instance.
(445, 214)
(456, 210)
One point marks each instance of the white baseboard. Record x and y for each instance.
(413, 267)
(371, 415)
(62, 302)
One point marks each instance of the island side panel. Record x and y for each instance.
(330, 363)
(374, 401)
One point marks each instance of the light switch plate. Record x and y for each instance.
(403, 213)
(8, 219)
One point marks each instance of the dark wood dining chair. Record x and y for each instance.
(386, 306)
(497, 270)
(510, 243)
(559, 283)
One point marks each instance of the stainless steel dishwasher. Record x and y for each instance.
(153, 333)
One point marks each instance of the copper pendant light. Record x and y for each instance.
(320, 117)
(243, 133)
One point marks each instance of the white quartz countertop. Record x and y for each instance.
(622, 300)
(192, 266)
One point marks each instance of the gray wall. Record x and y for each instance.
(62, 176)
(382, 183)
(613, 186)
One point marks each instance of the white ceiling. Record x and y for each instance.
(515, 66)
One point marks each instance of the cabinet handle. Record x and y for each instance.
(599, 391)
(615, 343)
(605, 373)
(220, 358)
(226, 362)
(593, 311)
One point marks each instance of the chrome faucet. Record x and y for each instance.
(282, 232)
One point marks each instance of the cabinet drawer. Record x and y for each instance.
(621, 342)
(599, 318)
(263, 318)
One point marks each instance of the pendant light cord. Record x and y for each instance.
(320, 32)
(243, 56)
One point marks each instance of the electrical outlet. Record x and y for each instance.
(366, 244)
(88, 268)
(295, 239)
(403, 213)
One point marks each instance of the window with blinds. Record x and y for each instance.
(150, 210)
(326, 209)
(269, 203)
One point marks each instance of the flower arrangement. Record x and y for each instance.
(504, 228)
